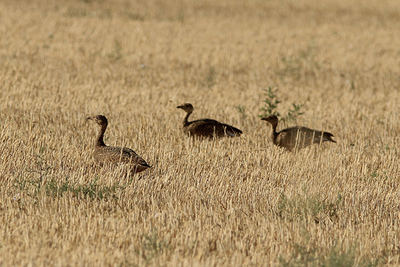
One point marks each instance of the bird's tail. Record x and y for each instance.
(328, 137)
(232, 131)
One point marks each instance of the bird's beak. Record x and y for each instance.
(263, 119)
(179, 107)
(89, 118)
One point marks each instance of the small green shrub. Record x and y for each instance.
(242, 111)
(303, 255)
(211, 77)
(270, 107)
(152, 246)
(56, 189)
(270, 102)
(308, 207)
(116, 53)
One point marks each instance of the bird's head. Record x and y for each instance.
(99, 119)
(273, 119)
(186, 107)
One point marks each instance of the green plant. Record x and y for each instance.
(134, 16)
(271, 103)
(152, 246)
(92, 190)
(293, 113)
(242, 111)
(306, 207)
(299, 65)
(312, 255)
(56, 189)
(211, 77)
(301, 256)
(38, 174)
(116, 54)
(181, 15)
(76, 12)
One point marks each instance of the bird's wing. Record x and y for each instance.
(205, 127)
(299, 137)
(210, 127)
(134, 157)
(231, 131)
(203, 122)
(123, 154)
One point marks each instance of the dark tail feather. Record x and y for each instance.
(146, 165)
(328, 137)
(232, 131)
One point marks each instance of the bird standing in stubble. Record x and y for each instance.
(296, 137)
(104, 154)
(206, 127)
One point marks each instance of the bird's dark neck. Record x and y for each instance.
(100, 141)
(186, 119)
(274, 133)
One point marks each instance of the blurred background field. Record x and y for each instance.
(226, 202)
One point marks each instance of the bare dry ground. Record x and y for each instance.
(227, 202)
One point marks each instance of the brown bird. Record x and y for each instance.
(296, 137)
(206, 127)
(104, 154)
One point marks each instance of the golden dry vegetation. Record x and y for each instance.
(229, 202)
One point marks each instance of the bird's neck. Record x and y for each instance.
(186, 119)
(100, 141)
(274, 133)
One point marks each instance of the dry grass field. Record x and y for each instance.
(228, 202)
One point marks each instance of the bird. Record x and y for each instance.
(206, 128)
(104, 154)
(296, 137)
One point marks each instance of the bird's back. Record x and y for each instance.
(210, 128)
(110, 154)
(300, 137)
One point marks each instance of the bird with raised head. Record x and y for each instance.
(104, 154)
(296, 137)
(206, 127)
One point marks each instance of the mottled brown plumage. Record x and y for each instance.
(104, 154)
(296, 137)
(206, 127)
